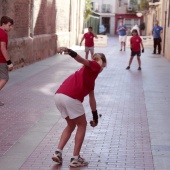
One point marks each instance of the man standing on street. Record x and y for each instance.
(89, 42)
(5, 62)
(156, 32)
(121, 29)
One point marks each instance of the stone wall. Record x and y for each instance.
(40, 26)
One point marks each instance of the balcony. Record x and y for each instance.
(103, 8)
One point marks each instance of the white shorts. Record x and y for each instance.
(122, 38)
(87, 49)
(68, 106)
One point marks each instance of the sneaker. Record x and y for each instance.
(78, 162)
(127, 68)
(139, 68)
(1, 104)
(120, 49)
(57, 157)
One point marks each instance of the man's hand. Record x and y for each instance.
(10, 68)
(10, 65)
(143, 50)
(62, 50)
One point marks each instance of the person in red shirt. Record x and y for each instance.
(5, 62)
(69, 98)
(89, 42)
(135, 45)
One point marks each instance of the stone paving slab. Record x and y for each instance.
(123, 140)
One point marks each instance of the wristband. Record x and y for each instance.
(72, 53)
(95, 116)
(9, 62)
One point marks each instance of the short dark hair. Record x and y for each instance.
(90, 28)
(135, 31)
(6, 19)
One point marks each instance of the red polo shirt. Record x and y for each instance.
(3, 38)
(135, 43)
(89, 39)
(79, 84)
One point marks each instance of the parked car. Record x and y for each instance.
(102, 29)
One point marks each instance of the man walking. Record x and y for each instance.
(5, 62)
(156, 32)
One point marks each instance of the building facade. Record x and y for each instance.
(40, 26)
(165, 18)
(106, 11)
(111, 12)
(160, 10)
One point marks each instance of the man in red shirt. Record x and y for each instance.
(89, 42)
(135, 43)
(5, 62)
(69, 98)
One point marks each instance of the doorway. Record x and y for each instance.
(106, 23)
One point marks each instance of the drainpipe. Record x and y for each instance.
(164, 44)
(70, 24)
(31, 30)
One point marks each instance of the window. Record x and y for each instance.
(106, 8)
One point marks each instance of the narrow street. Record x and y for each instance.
(133, 132)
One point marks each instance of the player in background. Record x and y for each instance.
(89, 42)
(135, 46)
(5, 62)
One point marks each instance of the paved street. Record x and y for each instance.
(133, 132)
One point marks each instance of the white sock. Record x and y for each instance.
(59, 150)
(75, 157)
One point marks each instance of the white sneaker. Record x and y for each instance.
(57, 157)
(78, 162)
(1, 104)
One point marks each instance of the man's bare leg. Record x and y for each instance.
(87, 53)
(80, 134)
(67, 133)
(92, 53)
(2, 83)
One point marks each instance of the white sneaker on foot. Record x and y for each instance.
(57, 157)
(78, 162)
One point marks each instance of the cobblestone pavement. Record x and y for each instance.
(131, 134)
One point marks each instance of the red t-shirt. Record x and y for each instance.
(3, 38)
(135, 43)
(89, 39)
(79, 84)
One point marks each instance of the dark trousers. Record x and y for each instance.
(157, 42)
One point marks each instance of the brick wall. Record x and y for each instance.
(40, 26)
